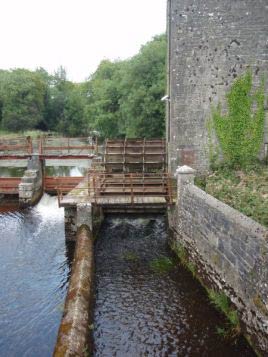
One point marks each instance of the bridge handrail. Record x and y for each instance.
(98, 185)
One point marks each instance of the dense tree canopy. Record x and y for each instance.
(122, 98)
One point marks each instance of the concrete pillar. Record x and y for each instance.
(185, 175)
(31, 186)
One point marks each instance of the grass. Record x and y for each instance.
(161, 265)
(245, 190)
(11, 135)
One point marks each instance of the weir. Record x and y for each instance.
(130, 177)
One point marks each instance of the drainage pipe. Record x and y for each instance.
(74, 333)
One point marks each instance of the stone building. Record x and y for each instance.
(210, 43)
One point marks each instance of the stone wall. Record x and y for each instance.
(210, 43)
(229, 250)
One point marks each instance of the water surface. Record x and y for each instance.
(34, 270)
(140, 312)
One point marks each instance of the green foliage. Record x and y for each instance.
(103, 93)
(161, 265)
(181, 253)
(222, 303)
(222, 331)
(240, 132)
(245, 190)
(143, 87)
(22, 94)
(123, 97)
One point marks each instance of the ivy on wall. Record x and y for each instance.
(240, 132)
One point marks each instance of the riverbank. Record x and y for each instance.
(245, 190)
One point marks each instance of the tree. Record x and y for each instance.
(103, 93)
(123, 97)
(144, 86)
(23, 94)
(72, 120)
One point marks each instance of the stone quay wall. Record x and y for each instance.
(229, 251)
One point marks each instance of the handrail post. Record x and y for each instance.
(96, 146)
(131, 187)
(94, 188)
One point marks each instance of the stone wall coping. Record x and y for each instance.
(233, 215)
(184, 170)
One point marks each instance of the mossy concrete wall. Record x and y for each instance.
(210, 44)
(229, 251)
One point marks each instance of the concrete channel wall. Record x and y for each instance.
(229, 251)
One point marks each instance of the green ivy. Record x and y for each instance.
(240, 132)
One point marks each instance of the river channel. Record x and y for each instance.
(139, 311)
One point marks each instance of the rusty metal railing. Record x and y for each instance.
(66, 146)
(9, 185)
(99, 185)
(65, 183)
(18, 146)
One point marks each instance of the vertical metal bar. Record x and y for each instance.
(131, 188)
(96, 147)
(169, 189)
(94, 188)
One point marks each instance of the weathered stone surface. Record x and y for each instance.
(84, 215)
(31, 187)
(231, 251)
(210, 44)
(70, 219)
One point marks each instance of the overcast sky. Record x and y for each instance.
(77, 34)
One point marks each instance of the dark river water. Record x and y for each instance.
(142, 312)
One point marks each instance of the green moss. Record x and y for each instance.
(181, 253)
(130, 256)
(240, 132)
(222, 303)
(222, 331)
(162, 265)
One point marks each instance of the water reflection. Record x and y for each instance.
(12, 171)
(34, 268)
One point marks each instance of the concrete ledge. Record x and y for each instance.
(74, 332)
